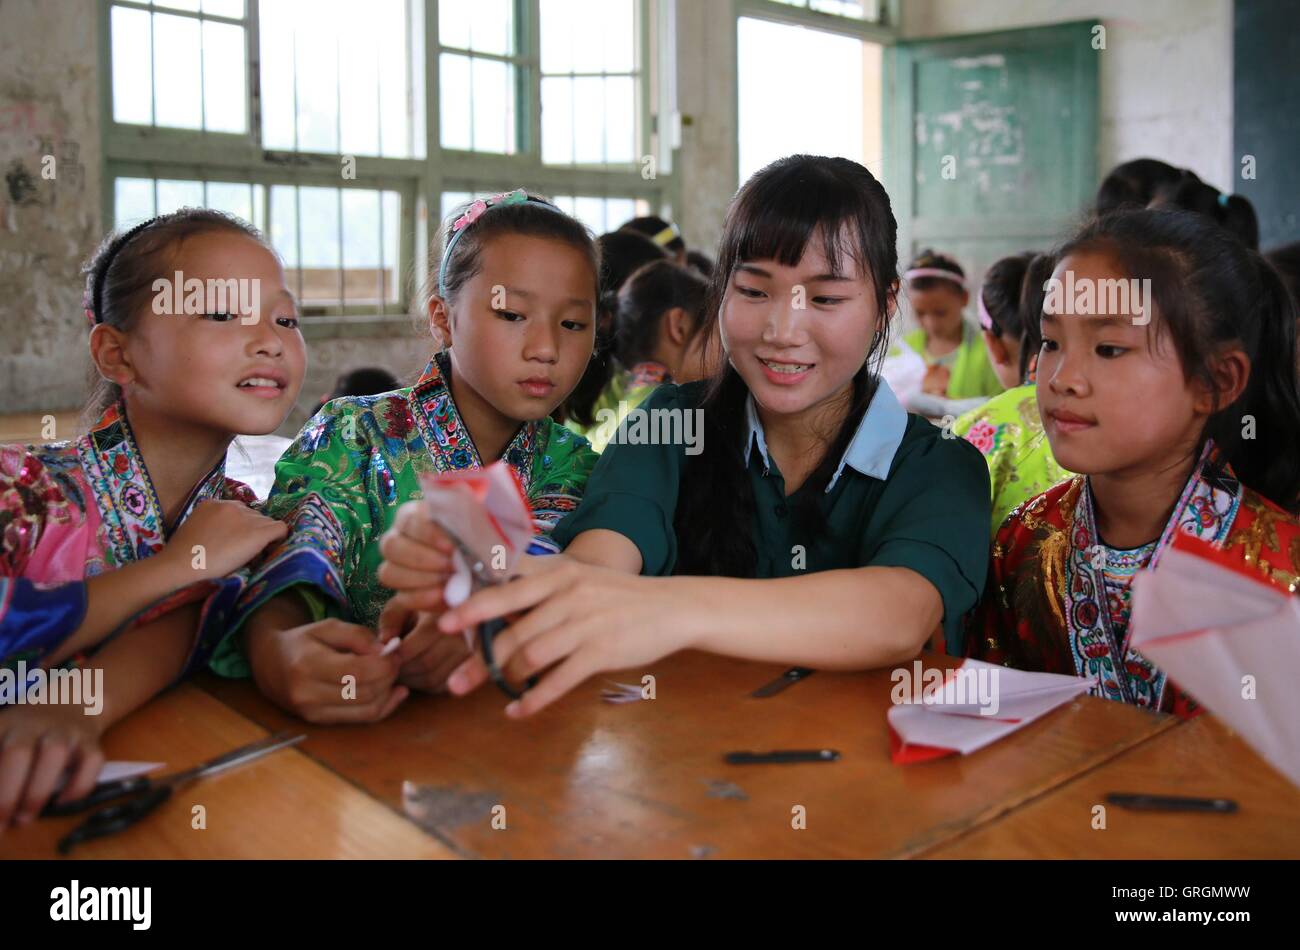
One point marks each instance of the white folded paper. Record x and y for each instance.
(486, 511)
(970, 707)
(1229, 639)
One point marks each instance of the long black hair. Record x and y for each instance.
(1212, 291)
(1133, 184)
(621, 253)
(645, 298)
(1232, 212)
(785, 206)
(1012, 294)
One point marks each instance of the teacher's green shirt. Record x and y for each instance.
(903, 495)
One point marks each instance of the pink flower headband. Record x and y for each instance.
(472, 214)
(919, 272)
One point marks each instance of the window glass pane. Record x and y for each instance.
(478, 104)
(776, 64)
(588, 139)
(233, 198)
(275, 21)
(391, 231)
(341, 72)
(484, 26)
(284, 229)
(361, 246)
(191, 5)
(179, 194)
(224, 75)
(132, 201)
(321, 244)
(132, 87)
(620, 120)
(179, 91)
(317, 86)
(494, 107)
(602, 214)
(230, 8)
(557, 120)
(583, 42)
(456, 99)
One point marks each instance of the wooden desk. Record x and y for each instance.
(281, 806)
(588, 779)
(1201, 758)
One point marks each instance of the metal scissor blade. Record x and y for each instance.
(245, 753)
(785, 680)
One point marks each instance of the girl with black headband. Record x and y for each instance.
(108, 538)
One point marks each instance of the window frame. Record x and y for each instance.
(887, 31)
(146, 151)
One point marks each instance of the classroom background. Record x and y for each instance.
(347, 130)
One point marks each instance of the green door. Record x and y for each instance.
(991, 140)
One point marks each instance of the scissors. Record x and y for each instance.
(485, 577)
(134, 798)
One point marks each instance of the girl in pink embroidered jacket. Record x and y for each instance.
(108, 542)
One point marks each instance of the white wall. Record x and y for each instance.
(1166, 71)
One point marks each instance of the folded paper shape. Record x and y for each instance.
(485, 510)
(1229, 638)
(974, 705)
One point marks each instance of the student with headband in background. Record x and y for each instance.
(958, 367)
(663, 233)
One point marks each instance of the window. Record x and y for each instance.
(479, 64)
(339, 245)
(599, 214)
(180, 64)
(338, 77)
(589, 71)
(777, 64)
(857, 9)
(324, 123)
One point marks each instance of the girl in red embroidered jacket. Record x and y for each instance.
(1167, 377)
(115, 544)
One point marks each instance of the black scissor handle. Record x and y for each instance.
(486, 632)
(115, 818)
(104, 792)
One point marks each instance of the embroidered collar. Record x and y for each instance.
(873, 447)
(123, 491)
(1206, 509)
(450, 446)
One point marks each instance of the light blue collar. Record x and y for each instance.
(874, 444)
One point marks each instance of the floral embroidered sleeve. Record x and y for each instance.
(37, 613)
(320, 492)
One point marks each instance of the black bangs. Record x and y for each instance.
(787, 210)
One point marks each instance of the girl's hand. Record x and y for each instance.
(429, 656)
(417, 557)
(228, 534)
(936, 380)
(580, 620)
(38, 745)
(325, 672)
